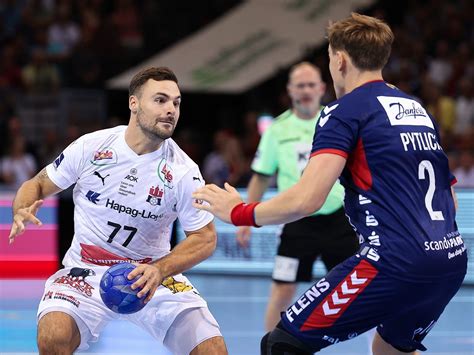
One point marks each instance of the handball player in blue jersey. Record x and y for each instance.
(385, 149)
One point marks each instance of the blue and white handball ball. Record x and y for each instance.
(116, 291)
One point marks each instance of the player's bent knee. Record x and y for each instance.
(280, 342)
(212, 346)
(57, 333)
(196, 332)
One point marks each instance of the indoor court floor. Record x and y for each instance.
(237, 302)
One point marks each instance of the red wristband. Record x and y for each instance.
(244, 214)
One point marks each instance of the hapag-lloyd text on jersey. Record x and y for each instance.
(131, 211)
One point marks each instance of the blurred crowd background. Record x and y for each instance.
(55, 56)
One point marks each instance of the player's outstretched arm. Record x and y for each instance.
(197, 246)
(302, 199)
(28, 200)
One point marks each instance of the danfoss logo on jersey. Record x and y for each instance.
(131, 211)
(405, 112)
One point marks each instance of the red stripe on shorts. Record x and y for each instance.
(336, 303)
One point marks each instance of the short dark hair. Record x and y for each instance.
(155, 73)
(367, 40)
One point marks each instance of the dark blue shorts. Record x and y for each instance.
(355, 297)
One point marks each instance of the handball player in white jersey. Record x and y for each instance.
(132, 182)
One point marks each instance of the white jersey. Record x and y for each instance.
(125, 203)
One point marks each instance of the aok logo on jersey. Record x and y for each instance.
(405, 112)
(105, 156)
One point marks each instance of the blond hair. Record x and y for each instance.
(367, 40)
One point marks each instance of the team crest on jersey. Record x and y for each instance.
(105, 156)
(155, 194)
(165, 173)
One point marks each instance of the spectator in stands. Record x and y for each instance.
(250, 135)
(64, 33)
(50, 148)
(10, 17)
(464, 173)
(37, 14)
(460, 64)
(85, 56)
(127, 21)
(10, 70)
(188, 140)
(440, 67)
(225, 163)
(40, 76)
(17, 166)
(440, 106)
(465, 108)
(40, 41)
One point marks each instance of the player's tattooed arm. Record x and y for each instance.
(48, 187)
(37, 188)
(42, 175)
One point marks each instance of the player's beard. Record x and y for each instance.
(152, 129)
(309, 110)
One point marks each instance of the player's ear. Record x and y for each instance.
(133, 104)
(322, 87)
(342, 61)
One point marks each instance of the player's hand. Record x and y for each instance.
(221, 202)
(149, 279)
(24, 216)
(243, 236)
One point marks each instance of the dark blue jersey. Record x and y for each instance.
(397, 182)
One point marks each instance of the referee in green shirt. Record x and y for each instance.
(285, 148)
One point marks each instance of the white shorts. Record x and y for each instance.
(75, 291)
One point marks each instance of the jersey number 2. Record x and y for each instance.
(117, 227)
(424, 166)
